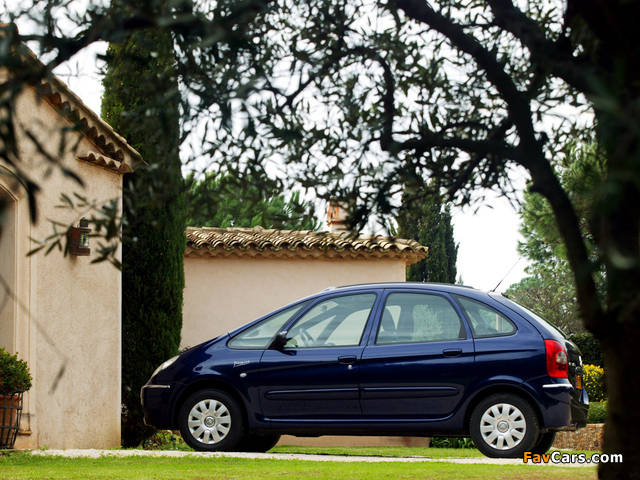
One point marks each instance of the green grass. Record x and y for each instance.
(26, 466)
(439, 453)
(382, 451)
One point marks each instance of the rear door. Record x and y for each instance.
(419, 360)
(315, 375)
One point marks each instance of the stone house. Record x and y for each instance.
(62, 313)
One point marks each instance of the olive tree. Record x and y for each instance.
(358, 98)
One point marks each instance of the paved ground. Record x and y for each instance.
(287, 456)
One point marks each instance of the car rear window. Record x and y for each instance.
(485, 321)
(515, 306)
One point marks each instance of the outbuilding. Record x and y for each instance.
(235, 275)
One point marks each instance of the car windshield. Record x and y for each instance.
(260, 335)
(532, 313)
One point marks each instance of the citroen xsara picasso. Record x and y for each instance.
(405, 359)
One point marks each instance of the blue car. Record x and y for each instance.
(406, 359)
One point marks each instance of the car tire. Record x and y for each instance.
(211, 420)
(504, 426)
(256, 443)
(544, 442)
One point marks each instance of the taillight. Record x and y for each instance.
(557, 361)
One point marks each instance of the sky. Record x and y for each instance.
(488, 242)
(487, 234)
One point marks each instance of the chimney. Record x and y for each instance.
(336, 217)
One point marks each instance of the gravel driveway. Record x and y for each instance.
(286, 456)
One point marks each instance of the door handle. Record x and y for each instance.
(348, 359)
(452, 352)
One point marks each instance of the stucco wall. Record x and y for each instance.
(224, 293)
(69, 325)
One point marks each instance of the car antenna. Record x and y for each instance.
(514, 266)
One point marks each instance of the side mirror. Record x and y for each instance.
(280, 341)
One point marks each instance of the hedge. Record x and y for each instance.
(590, 348)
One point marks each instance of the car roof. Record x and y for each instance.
(442, 287)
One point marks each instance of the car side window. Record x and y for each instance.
(336, 322)
(260, 335)
(418, 317)
(484, 320)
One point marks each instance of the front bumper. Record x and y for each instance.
(158, 404)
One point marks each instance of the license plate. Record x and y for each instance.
(579, 383)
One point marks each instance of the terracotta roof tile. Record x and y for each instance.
(261, 243)
(111, 150)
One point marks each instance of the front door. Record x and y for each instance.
(315, 375)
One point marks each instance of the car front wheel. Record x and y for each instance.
(211, 420)
(504, 426)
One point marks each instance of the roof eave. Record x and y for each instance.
(117, 155)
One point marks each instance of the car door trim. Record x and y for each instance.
(314, 394)
(371, 393)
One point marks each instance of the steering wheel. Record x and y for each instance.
(306, 338)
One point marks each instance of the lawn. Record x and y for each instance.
(397, 451)
(382, 451)
(26, 466)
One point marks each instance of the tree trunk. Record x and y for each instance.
(619, 329)
(622, 429)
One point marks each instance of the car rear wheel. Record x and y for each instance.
(504, 426)
(256, 443)
(211, 420)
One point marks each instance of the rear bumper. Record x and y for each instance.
(565, 407)
(553, 398)
(580, 409)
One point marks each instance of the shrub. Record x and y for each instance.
(597, 412)
(166, 440)
(593, 382)
(14, 373)
(451, 442)
(590, 348)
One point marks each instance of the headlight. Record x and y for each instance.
(165, 365)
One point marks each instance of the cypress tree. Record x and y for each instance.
(450, 246)
(141, 102)
(425, 218)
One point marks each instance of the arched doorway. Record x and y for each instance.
(7, 270)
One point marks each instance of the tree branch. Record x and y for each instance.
(517, 101)
(480, 147)
(530, 154)
(546, 183)
(562, 63)
(388, 97)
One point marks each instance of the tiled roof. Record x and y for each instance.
(261, 243)
(111, 150)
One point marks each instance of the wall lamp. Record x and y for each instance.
(79, 243)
